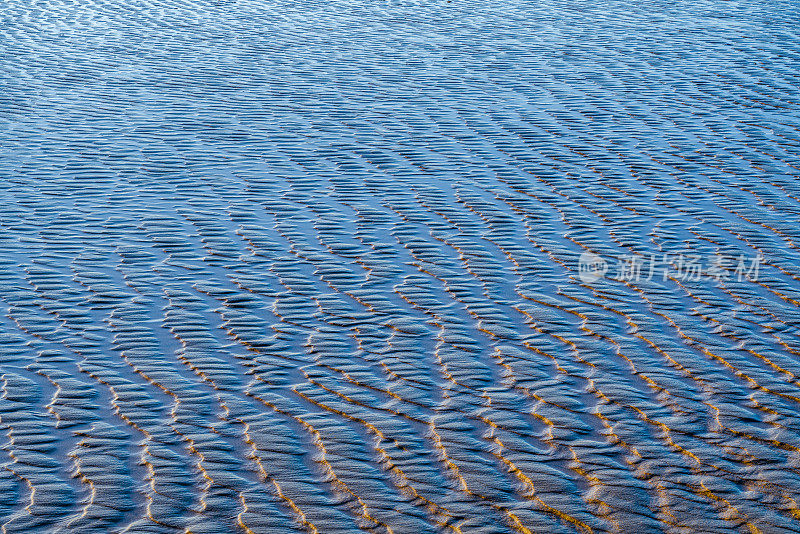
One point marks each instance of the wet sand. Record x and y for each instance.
(275, 266)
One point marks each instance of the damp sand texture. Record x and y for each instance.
(318, 266)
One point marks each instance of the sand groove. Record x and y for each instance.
(314, 266)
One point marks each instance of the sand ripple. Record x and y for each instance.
(276, 266)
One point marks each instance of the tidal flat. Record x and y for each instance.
(399, 266)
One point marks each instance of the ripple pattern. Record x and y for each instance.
(279, 266)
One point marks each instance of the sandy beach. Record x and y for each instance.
(399, 266)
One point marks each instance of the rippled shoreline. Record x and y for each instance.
(449, 266)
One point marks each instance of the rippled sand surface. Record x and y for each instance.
(274, 266)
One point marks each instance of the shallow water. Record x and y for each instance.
(286, 266)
